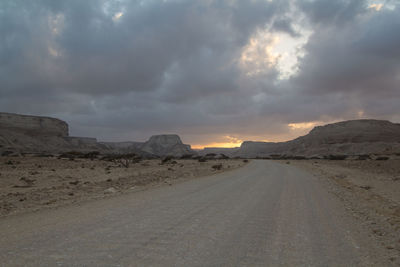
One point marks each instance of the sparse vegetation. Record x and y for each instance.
(382, 158)
(124, 160)
(363, 157)
(56, 179)
(336, 157)
(217, 166)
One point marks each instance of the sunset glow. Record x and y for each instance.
(303, 125)
(227, 141)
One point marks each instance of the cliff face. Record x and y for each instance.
(33, 134)
(354, 131)
(353, 137)
(33, 125)
(166, 144)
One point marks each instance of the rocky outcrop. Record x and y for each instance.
(33, 125)
(355, 137)
(166, 144)
(36, 134)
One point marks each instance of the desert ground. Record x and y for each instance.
(263, 214)
(370, 191)
(31, 183)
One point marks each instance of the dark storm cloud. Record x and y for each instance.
(174, 66)
(360, 62)
(327, 12)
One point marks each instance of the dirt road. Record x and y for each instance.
(263, 214)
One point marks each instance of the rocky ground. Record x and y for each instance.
(33, 183)
(370, 190)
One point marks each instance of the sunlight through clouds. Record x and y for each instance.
(266, 51)
(377, 7)
(117, 16)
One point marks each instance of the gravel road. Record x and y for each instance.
(264, 214)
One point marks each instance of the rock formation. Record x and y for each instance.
(355, 137)
(166, 144)
(33, 125)
(34, 134)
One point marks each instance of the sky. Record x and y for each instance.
(216, 72)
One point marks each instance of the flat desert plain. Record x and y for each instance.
(32, 183)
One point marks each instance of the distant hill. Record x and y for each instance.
(167, 144)
(36, 134)
(33, 134)
(354, 137)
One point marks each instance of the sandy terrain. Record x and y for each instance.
(33, 183)
(264, 214)
(370, 189)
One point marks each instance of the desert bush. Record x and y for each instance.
(166, 159)
(363, 157)
(202, 159)
(43, 155)
(70, 155)
(91, 155)
(122, 159)
(217, 166)
(223, 156)
(187, 156)
(382, 158)
(6, 153)
(245, 160)
(295, 157)
(336, 157)
(366, 187)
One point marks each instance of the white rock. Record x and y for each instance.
(110, 190)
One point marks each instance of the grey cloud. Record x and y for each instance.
(328, 12)
(172, 66)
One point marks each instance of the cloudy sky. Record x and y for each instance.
(216, 72)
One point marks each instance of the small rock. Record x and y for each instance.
(110, 190)
(366, 187)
